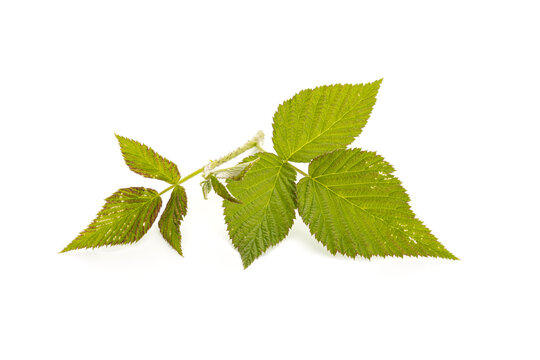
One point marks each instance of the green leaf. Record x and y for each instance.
(354, 206)
(125, 218)
(222, 191)
(146, 162)
(316, 121)
(169, 223)
(267, 211)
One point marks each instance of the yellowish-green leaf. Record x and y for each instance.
(355, 206)
(125, 218)
(316, 121)
(267, 211)
(169, 223)
(146, 162)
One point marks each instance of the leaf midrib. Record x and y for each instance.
(128, 213)
(328, 129)
(265, 208)
(363, 210)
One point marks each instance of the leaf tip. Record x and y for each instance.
(179, 251)
(247, 260)
(69, 247)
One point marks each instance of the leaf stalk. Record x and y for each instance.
(298, 170)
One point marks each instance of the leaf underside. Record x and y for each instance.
(267, 211)
(125, 218)
(353, 205)
(206, 187)
(169, 223)
(222, 191)
(236, 172)
(146, 162)
(316, 121)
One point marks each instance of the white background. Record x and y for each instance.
(457, 115)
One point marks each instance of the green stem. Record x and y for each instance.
(167, 189)
(254, 142)
(195, 173)
(298, 170)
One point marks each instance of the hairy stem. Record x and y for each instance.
(254, 142)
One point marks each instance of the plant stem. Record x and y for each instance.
(167, 189)
(254, 142)
(196, 172)
(298, 170)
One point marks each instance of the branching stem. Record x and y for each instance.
(167, 189)
(254, 142)
(195, 173)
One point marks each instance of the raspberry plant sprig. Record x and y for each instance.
(349, 198)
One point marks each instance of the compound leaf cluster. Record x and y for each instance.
(349, 199)
(129, 213)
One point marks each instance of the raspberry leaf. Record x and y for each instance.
(125, 218)
(267, 211)
(316, 121)
(169, 223)
(355, 206)
(146, 162)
